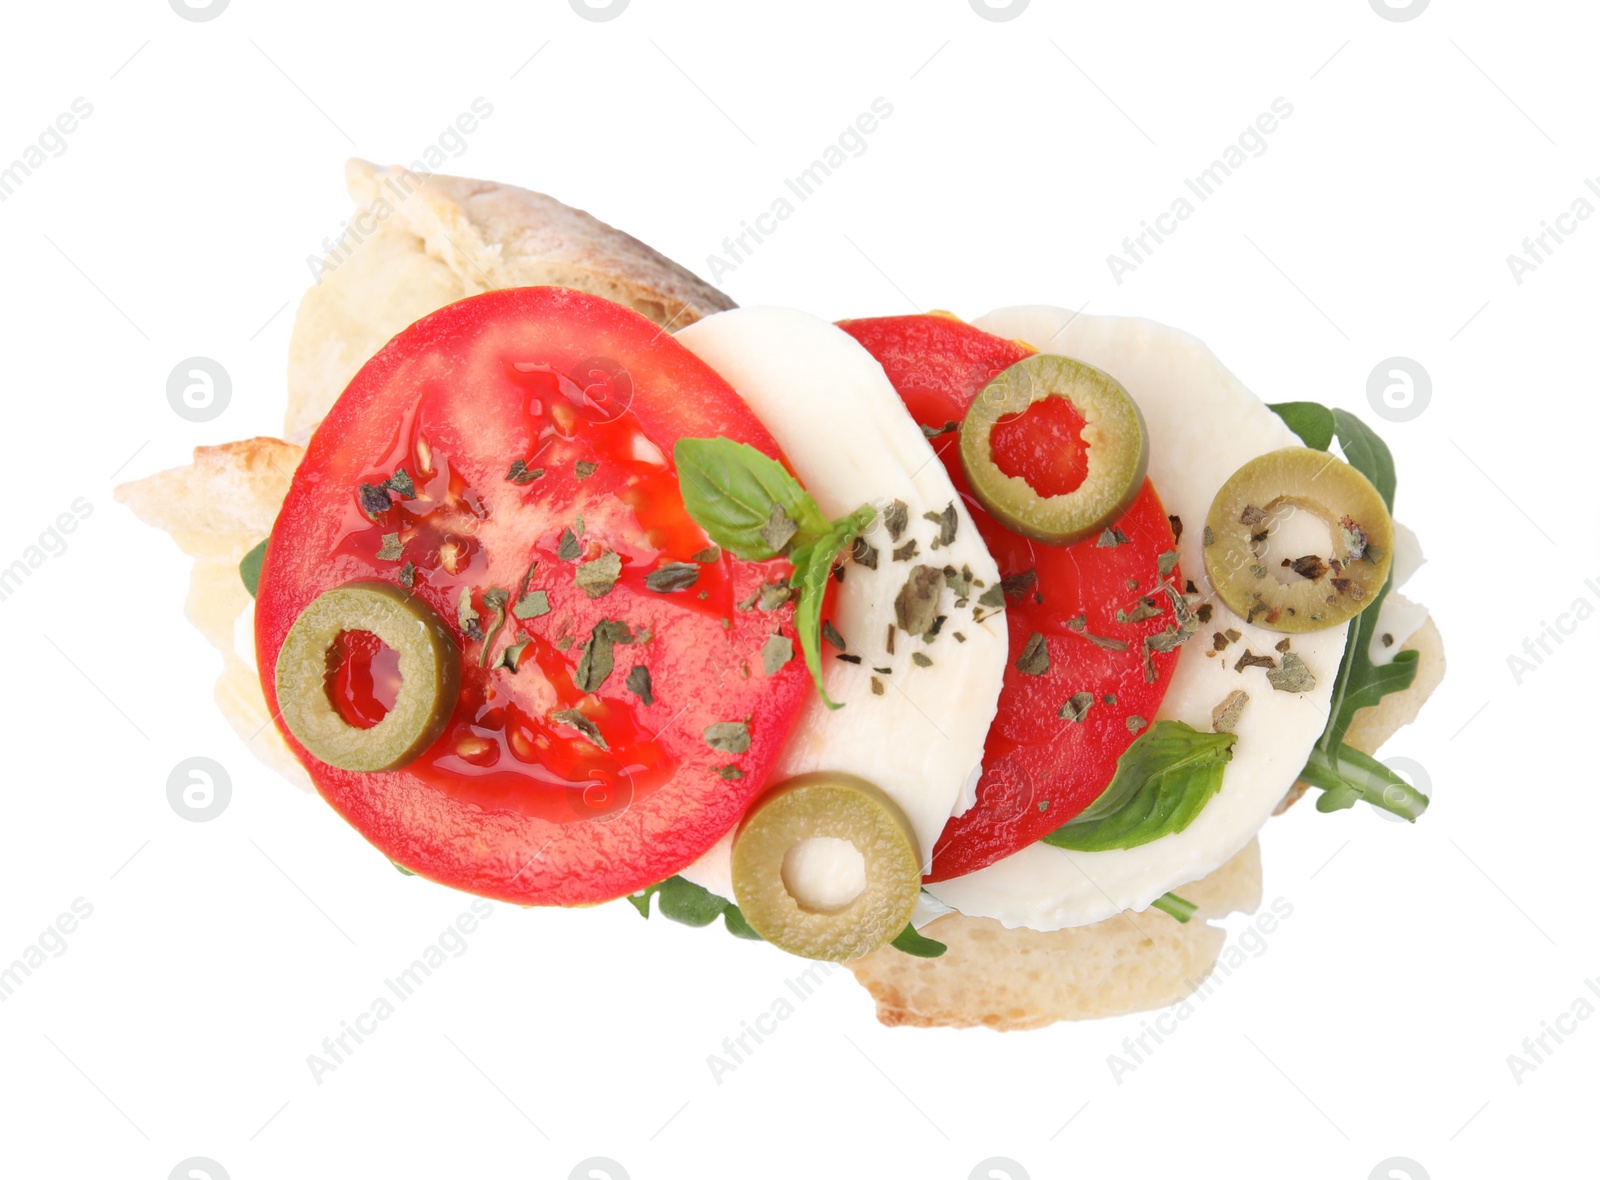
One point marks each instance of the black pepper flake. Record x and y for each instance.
(730, 737)
(848, 658)
(931, 432)
(864, 554)
(838, 573)
(674, 575)
(568, 549)
(639, 685)
(1252, 515)
(888, 638)
(932, 632)
(1251, 660)
(1203, 612)
(400, 484)
(877, 687)
(958, 637)
(584, 468)
(895, 518)
(1310, 566)
(907, 551)
(921, 660)
(884, 671)
(1110, 698)
(1177, 529)
(1035, 657)
(1135, 723)
(375, 499)
(707, 555)
(408, 576)
(831, 634)
(1281, 645)
(1077, 706)
(1388, 639)
(1219, 641)
(521, 473)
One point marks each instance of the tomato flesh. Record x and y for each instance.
(514, 800)
(1040, 770)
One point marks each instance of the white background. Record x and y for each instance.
(1377, 1022)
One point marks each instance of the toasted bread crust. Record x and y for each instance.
(1018, 979)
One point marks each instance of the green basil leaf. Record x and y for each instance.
(1367, 453)
(813, 566)
(1311, 421)
(730, 489)
(912, 943)
(250, 568)
(733, 919)
(1162, 781)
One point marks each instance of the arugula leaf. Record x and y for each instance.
(1346, 775)
(1162, 781)
(250, 568)
(1174, 906)
(749, 505)
(1367, 453)
(684, 901)
(730, 489)
(912, 943)
(1311, 421)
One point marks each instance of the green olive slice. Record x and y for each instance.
(826, 806)
(1114, 433)
(430, 676)
(1298, 540)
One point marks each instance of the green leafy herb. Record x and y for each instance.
(1111, 538)
(400, 483)
(1077, 706)
(1162, 781)
(905, 552)
(250, 568)
(675, 575)
(568, 548)
(895, 519)
(1292, 676)
(917, 604)
(775, 653)
(596, 658)
(391, 549)
(1312, 422)
(532, 605)
(919, 658)
(1174, 906)
(639, 684)
(1346, 775)
(584, 468)
(749, 505)
(408, 575)
(687, 903)
(831, 634)
(1035, 657)
(912, 943)
(1225, 717)
(495, 599)
(466, 617)
(375, 500)
(521, 473)
(581, 723)
(946, 521)
(730, 489)
(597, 578)
(731, 737)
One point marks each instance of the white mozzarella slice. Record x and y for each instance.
(851, 441)
(1204, 424)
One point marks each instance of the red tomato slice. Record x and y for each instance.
(1039, 770)
(511, 802)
